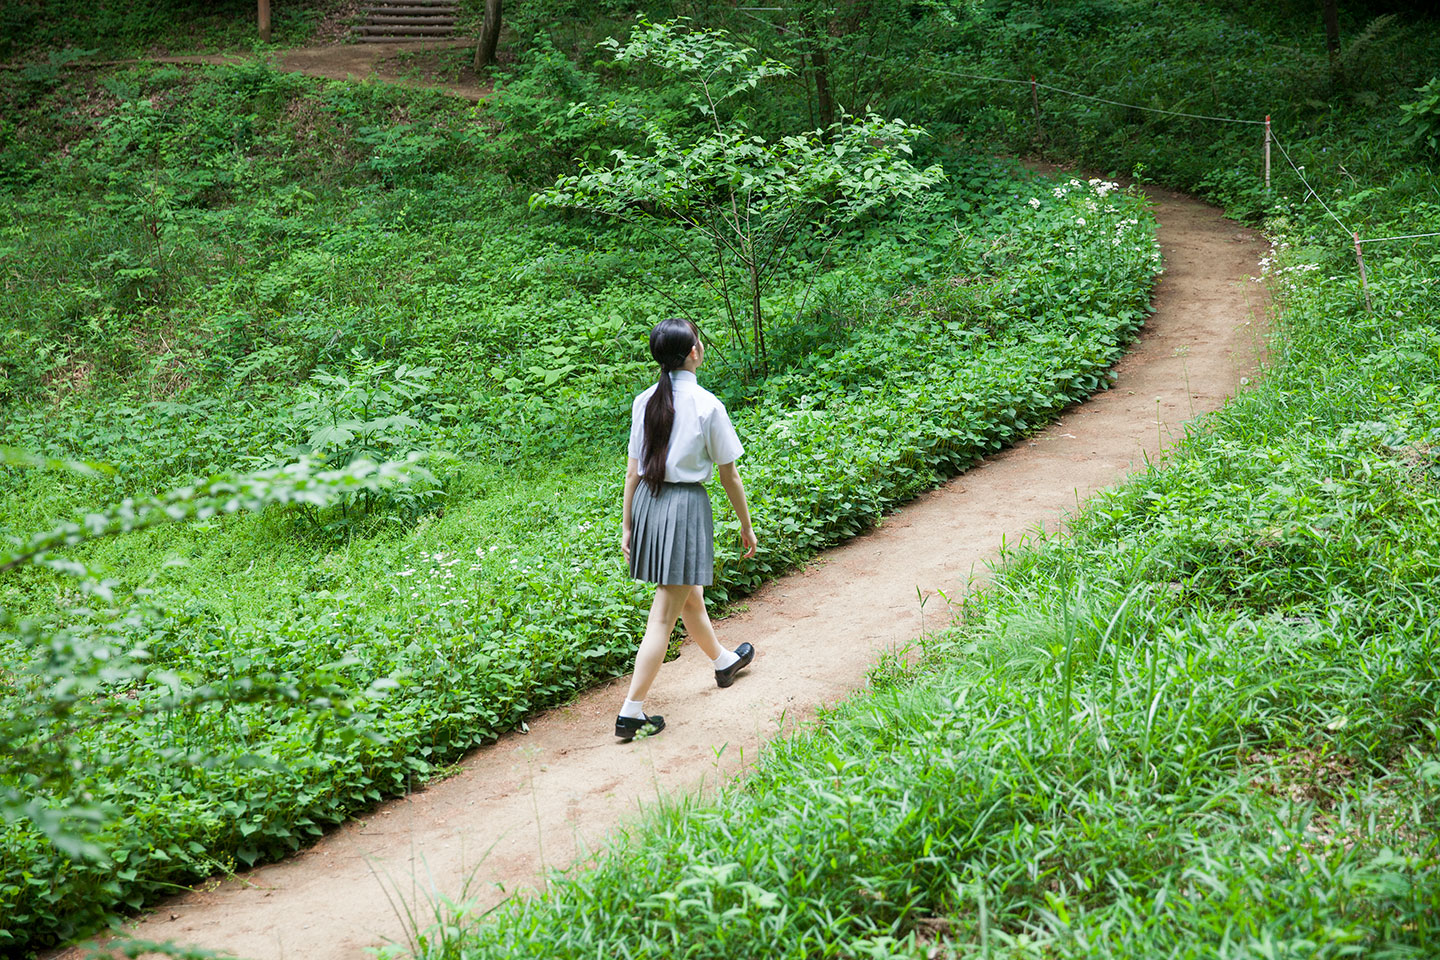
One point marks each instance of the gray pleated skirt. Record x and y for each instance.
(672, 540)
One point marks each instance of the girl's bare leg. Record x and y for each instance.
(664, 610)
(697, 623)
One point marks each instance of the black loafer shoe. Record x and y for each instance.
(746, 653)
(627, 727)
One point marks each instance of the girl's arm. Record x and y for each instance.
(632, 480)
(735, 490)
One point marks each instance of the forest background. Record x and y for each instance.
(1218, 689)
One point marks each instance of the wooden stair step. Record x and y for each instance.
(412, 21)
(408, 9)
(388, 39)
(406, 31)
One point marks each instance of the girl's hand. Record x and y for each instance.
(625, 543)
(747, 540)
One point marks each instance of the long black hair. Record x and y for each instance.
(670, 343)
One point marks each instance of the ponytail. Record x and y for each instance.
(659, 418)
(670, 343)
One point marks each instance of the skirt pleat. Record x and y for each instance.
(677, 525)
(673, 535)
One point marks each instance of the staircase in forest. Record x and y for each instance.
(387, 21)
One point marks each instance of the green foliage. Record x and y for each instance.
(97, 671)
(120, 29)
(534, 135)
(48, 72)
(365, 415)
(748, 200)
(1025, 313)
(1368, 56)
(287, 223)
(1422, 116)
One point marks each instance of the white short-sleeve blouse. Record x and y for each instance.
(701, 437)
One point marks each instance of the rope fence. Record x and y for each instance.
(1407, 236)
(1309, 190)
(1270, 137)
(1136, 106)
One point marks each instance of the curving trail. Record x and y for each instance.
(548, 798)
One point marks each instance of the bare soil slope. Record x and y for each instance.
(546, 799)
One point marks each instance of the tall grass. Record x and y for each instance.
(1096, 767)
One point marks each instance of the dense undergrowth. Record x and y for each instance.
(64, 27)
(216, 270)
(1202, 723)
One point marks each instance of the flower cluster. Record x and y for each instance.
(1283, 266)
(434, 576)
(1101, 188)
(1089, 205)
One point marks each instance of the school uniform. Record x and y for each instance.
(672, 537)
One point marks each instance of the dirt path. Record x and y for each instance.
(547, 798)
(349, 61)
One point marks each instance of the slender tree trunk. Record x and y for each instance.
(1331, 11)
(814, 31)
(805, 81)
(756, 319)
(263, 13)
(824, 99)
(489, 35)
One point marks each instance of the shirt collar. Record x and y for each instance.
(683, 376)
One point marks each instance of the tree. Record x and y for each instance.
(813, 27)
(1331, 14)
(744, 200)
(489, 35)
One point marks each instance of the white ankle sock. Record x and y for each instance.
(634, 709)
(726, 658)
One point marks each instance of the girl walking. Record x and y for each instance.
(679, 435)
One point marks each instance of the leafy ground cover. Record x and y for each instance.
(1202, 724)
(131, 29)
(238, 267)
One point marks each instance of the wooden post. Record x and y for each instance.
(1035, 102)
(264, 15)
(1364, 284)
(1267, 155)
